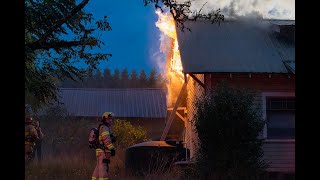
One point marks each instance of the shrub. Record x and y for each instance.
(228, 125)
(127, 134)
(65, 150)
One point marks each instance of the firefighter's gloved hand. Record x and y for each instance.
(113, 152)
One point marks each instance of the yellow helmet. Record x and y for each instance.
(28, 119)
(107, 114)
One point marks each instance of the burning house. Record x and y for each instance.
(254, 54)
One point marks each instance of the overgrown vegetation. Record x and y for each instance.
(58, 34)
(66, 154)
(127, 134)
(228, 125)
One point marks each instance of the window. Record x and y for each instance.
(280, 117)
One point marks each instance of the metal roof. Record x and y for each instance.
(286, 51)
(92, 102)
(283, 22)
(234, 46)
(291, 65)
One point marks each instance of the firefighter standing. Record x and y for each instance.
(107, 150)
(31, 136)
(37, 149)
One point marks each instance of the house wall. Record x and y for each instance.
(258, 82)
(194, 91)
(279, 153)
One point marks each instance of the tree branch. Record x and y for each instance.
(60, 44)
(62, 21)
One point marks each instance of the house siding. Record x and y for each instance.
(280, 155)
(258, 82)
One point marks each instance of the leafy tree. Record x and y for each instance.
(124, 78)
(69, 83)
(98, 79)
(60, 33)
(143, 78)
(116, 78)
(152, 81)
(181, 12)
(89, 78)
(133, 79)
(228, 125)
(107, 78)
(127, 134)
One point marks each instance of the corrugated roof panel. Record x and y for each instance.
(148, 102)
(291, 65)
(145, 103)
(285, 49)
(141, 106)
(153, 103)
(283, 22)
(234, 46)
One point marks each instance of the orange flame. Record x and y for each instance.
(174, 74)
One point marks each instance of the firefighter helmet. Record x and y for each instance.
(106, 115)
(28, 120)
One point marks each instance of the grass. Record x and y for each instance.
(66, 155)
(80, 166)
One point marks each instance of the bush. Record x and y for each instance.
(65, 150)
(127, 134)
(228, 125)
(63, 134)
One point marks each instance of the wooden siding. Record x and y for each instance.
(259, 82)
(280, 155)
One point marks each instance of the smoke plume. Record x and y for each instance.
(267, 9)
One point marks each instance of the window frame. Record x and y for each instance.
(266, 95)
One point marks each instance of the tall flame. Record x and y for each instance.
(174, 74)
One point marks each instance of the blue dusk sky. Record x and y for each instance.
(134, 38)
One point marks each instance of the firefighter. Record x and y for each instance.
(31, 136)
(37, 148)
(107, 150)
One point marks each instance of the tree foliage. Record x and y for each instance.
(143, 78)
(228, 125)
(127, 134)
(134, 79)
(181, 12)
(59, 34)
(126, 80)
(152, 78)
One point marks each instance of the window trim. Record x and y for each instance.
(264, 112)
